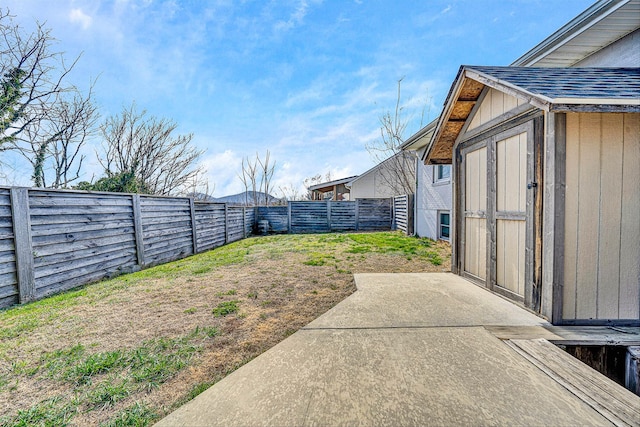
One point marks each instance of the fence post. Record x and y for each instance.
(226, 223)
(244, 222)
(392, 201)
(289, 216)
(137, 226)
(357, 213)
(410, 215)
(24, 246)
(194, 224)
(329, 214)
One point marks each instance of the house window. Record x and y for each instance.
(443, 173)
(443, 225)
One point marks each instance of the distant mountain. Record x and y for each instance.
(240, 199)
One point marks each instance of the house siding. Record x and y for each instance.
(431, 198)
(602, 217)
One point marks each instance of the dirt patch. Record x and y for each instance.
(281, 284)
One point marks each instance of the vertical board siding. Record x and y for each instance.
(210, 225)
(166, 229)
(494, 104)
(475, 204)
(79, 238)
(8, 278)
(602, 222)
(511, 192)
(629, 295)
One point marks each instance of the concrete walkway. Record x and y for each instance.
(405, 349)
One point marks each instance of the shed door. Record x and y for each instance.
(475, 213)
(511, 212)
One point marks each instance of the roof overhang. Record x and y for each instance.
(466, 90)
(328, 186)
(419, 139)
(603, 23)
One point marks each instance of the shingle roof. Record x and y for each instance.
(561, 83)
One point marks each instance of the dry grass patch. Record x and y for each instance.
(129, 350)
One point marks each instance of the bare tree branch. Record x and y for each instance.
(397, 167)
(164, 164)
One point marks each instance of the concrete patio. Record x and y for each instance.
(405, 349)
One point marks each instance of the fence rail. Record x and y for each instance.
(55, 240)
(328, 216)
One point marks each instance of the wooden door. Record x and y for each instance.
(511, 212)
(475, 213)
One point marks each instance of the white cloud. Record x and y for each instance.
(77, 16)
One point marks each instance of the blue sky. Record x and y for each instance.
(306, 79)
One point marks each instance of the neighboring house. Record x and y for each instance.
(392, 177)
(432, 201)
(332, 190)
(546, 171)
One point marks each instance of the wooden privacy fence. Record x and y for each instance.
(329, 216)
(56, 240)
(403, 213)
(52, 240)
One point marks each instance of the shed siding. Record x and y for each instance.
(602, 221)
(476, 204)
(494, 104)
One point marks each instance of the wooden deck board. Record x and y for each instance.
(614, 402)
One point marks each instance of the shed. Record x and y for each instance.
(546, 184)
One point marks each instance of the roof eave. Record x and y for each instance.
(572, 29)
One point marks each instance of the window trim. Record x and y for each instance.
(440, 225)
(436, 174)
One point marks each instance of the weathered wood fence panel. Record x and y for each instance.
(166, 229)
(8, 273)
(403, 213)
(309, 217)
(249, 221)
(375, 214)
(56, 240)
(278, 217)
(79, 238)
(343, 216)
(323, 217)
(210, 225)
(235, 224)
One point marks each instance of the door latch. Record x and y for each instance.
(532, 185)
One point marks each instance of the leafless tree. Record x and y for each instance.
(33, 80)
(256, 177)
(164, 163)
(290, 192)
(53, 145)
(398, 170)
